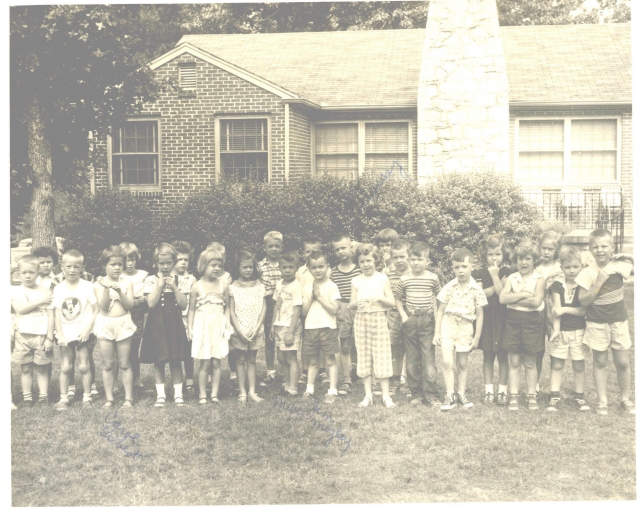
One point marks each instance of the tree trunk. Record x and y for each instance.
(42, 223)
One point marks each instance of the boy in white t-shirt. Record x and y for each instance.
(320, 306)
(33, 329)
(287, 328)
(75, 312)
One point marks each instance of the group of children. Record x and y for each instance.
(381, 309)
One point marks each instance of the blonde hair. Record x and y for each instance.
(29, 259)
(164, 249)
(273, 235)
(130, 249)
(206, 257)
(553, 236)
(214, 245)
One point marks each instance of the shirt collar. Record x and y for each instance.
(471, 285)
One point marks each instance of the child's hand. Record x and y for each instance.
(404, 317)
(474, 343)
(62, 341)
(141, 299)
(47, 299)
(84, 335)
(249, 335)
(353, 306)
(288, 338)
(493, 271)
(554, 336)
(316, 290)
(169, 281)
(189, 333)
(272, 333)
(48, 345)
(437, 339)
(116, 286)
(104, 282)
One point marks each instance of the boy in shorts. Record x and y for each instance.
(33, 334)
(415, 295)
(569, 323)
(602, 294)
(286, 329)
(269, 270)
(460, 303)
(341, 275)
(320, 306)
(75, 312)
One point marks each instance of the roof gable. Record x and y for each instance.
(546, 64)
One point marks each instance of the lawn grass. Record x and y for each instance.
(260, 453)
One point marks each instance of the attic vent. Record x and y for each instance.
(187, 76)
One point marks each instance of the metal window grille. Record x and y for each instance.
(134, 152)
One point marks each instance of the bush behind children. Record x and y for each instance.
(381, 310)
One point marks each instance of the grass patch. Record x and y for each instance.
(261, 454)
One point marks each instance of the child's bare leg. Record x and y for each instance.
(241, 359)
(282, 359)
(26, 378)
(292, 361)
(515, 362)
(124, 356)
(134, 360)
(462, 359)
(231, 358)
(269, 348)
(488, 361)
(531, 372)
(116, 370)
(539, 360)
(503, 367)
(203, 373)
(215, 378)
(384, 386)
(600, 359)
(447, 370)
(621, 362)
(313, 370)
(158, 372)
(42, 377)
(557, 365)
(66, 369)
(108, 352)
(368, 386)
(332, 369)
(251, 371)
(188, 369)
(176, 371)
(92, 366)
(578, 375)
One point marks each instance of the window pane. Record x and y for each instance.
(245, 166)
(336, 138)
(341, 166)
(244, 135)
(593, 165)
(593, 134)
(387, 137)
(541, 135)
(137, 137)
(541, 166)
(394, 166)
(142, 169)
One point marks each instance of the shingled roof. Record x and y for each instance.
(555, 64)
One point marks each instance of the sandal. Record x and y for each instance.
(159, 402)
(368, 401)
(389, 403)
(128, 403)
(242, 399)
(255, 397)
(107, 404)
(214, 400)
(179, 401)
(203, 401)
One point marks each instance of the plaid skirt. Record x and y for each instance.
(371, 333)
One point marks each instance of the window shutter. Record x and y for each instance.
(187, 74)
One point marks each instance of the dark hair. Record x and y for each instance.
(340, 236)
(568, 253)
(496, 241)
(401, 244)
(239, 257)
(183, 247)
(312, 240)
(370, 249)
(315, 255)
(291, 256)
(386, 235)
(419, 249)
(112, 251)
(45, 251)
(460, 254)
(528, 247)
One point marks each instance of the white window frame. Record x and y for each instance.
(568, 180)
(218, 163)
(361, 140)
(137, 187)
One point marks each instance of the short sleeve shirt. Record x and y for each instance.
(550, 273)
(287, 296)
(418, 292)
(519, 285)
(36, 321)
(74, 304)
(137, 282)
(462, 301)
(185, 282)
(608, 306)
(48, 282)
(318, 317)
(483, 278)
(343, 281)
(269, 275)
(568, 298)
(368, 288)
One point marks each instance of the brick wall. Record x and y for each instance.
(187, 128)
(626, 156)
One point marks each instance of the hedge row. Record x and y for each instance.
(452, 211)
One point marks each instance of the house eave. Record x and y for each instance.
(357, 107)
(538, 105)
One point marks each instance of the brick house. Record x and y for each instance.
(290, 105)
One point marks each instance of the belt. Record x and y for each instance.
(458, 318)
(419, 311)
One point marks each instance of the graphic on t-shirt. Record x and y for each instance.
(71, 309)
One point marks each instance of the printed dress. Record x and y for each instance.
(249, 300)
(164, 337)
(210, 329)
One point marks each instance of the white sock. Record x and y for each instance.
(72, 387)
(234, 375)
(86, 397)
(332, 392)
(93, 386)
(538, 387)
(271, 372)
(488, 388)
(177, 390)
(189, 382)
(502, 388)
(160, 390)
(310, 388)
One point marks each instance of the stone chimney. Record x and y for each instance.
(463, 101)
